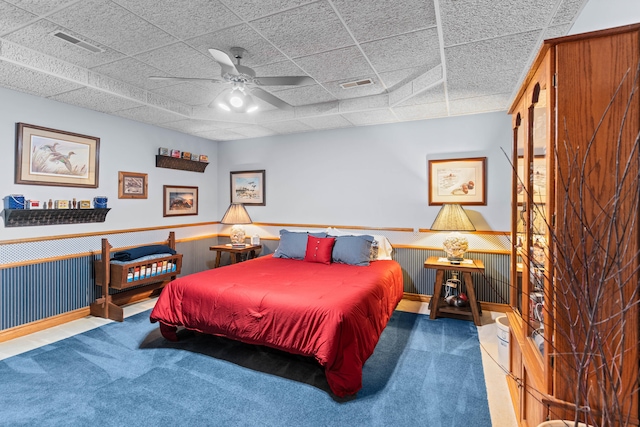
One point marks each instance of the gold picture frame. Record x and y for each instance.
(132, 185)
(460, 181)
(47, 156)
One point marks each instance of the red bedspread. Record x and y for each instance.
(334, 313)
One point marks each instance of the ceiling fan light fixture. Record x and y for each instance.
(236, 100)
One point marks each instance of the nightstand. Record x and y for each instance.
(439, 306)
(235, 253)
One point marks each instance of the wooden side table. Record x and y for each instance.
(439, 305)
(235, 253)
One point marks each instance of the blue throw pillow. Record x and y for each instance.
(293, 244)
(353, 250)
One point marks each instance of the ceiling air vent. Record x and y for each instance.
(363, 82)
(68, 38)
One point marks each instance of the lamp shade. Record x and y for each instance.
(452, 218)
(236, 214)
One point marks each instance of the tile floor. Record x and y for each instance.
(502, 414)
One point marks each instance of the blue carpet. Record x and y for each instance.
(423, 372)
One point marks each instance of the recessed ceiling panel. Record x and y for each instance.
(417, 49)
(94, 99)
(12, 17)
(305, 30)
(464, 21)
(258, 50)
(183, 19)
(180, 60)
(256, 9)
(33, 82)
(376, 19)
(39, 37)
(335, 65)
(301, 95)
(41, 7)
(111, 25)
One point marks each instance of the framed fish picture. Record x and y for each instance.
(47, 156)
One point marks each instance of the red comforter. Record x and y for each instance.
(334, 313)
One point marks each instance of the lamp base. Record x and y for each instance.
(455, 260)
(237, 234)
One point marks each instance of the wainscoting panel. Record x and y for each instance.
(492, 286)
(33, 292)
(36, 291)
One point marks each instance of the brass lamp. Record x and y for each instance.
(453, 218)
(236, 215)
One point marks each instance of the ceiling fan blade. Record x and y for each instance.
(273, 100)
(228, 67)
(283, 81)
(186, 79)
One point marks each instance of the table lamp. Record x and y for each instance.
(236, 215)
(453, 218)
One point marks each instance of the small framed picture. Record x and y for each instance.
(132, 185)
(248, 187)
(179, 200)
(461, 181)
(175, 153)
(163, 151)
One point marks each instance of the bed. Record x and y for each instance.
(334, 312)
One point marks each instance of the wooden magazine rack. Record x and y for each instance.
(114, 276)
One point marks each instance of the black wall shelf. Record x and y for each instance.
(178, 163)
(31, 217)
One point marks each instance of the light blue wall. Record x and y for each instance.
(601, 14)
(373, 175)
(125, 145)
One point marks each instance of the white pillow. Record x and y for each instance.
(384, 246)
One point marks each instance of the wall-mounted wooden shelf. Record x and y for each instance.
(178, 163)
(31, 217)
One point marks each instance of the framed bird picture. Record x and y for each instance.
(53, 157)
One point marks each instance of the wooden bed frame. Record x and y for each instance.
(114, 276)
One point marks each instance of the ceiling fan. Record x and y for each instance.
(242, 77)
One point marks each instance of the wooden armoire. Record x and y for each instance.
(576, 232)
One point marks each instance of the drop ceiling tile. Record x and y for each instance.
(373, 117)
(274, 115)
(168, 104)
(112, 25)
(417, 49)
(568, 11)
(395, 79)
(333, 121)
(44, 63)
(39, 37)
(147, 114)
(400, 94)
(305, 30)
(220, 135)
(134, 72)
(253, 131)
(258, 50)
(557, 31)
(489, 103)
(336, 65)
(288, 126)
(429, 96)
(183, 19)
(365, 103)
(41, 7)
(12, 17)
(488, 66)
(464, 21)
(383, 18)
(191, 126)
(107, 84)
(314, 110)
(357, 91)
(302, 95)
(421, 111)
(181, 60)
(33, 82)
(191, 94)
(252, 10)
(94, 99)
